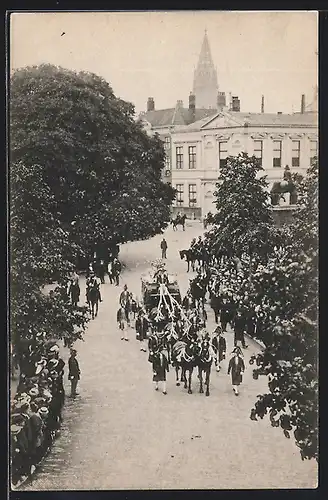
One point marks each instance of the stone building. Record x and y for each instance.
(199, 149)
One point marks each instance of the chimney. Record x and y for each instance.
(221, 100)
(192, 101)
(262, 104)
(303, 103)
(235, 103)
(150, 104)
(192, 107)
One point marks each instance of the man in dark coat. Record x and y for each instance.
(237, 368)
(74, 372)
(116, 270)
(215, 303)
(220, 346)
(160, 367)
(239, 329)
(142, 327)
(164, 248)
(101, 271)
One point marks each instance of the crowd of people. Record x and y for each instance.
(36, 409)
(183, 325)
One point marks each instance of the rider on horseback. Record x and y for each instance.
(93, 282)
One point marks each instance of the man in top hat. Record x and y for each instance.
(74, 372)
(142, 327)
(220, 346)
(237, 368)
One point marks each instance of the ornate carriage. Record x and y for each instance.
(150, 291)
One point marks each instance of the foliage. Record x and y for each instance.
(243, 219)
(40, 254)
(278, 288)
(289, 308)
(102, 169)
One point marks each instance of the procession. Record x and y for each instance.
(163, 271)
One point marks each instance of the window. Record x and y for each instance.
(167, 162)
(258, 150)
(223, 153)
(192, 195)
(296, 153)
(179, 198)
(167, 143)
(277, 150)
(313, 150)
(192, 156)
(179, 157)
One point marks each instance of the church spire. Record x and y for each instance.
(205, 78)
(205, 57)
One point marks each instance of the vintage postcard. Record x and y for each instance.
(163, 239)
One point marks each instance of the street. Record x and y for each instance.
(121, 434)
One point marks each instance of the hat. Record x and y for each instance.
(43, 411)
(19, 419)
(15, 429)
(52, 363)
(40, 401)
(39, 368)
(34, 391)
(47, 395)
(54, 348)
(23, 397)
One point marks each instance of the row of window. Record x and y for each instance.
(258, 152)
(277, 152)
(192, 195)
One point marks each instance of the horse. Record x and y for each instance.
(204, 362)
(190, 258)
(180, 220)
(184, 356)
(74, 293)
(93, 300)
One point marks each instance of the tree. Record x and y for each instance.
(40, 253)
(101, 168)
(290, 310)
(243, 220)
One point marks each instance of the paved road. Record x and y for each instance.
(121, 434)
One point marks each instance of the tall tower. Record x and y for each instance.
(205, 78)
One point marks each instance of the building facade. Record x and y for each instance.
(198, 151)
(165, 122)
(198, 138)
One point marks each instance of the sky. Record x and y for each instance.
(153, 54)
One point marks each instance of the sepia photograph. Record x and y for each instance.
(163, 240)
